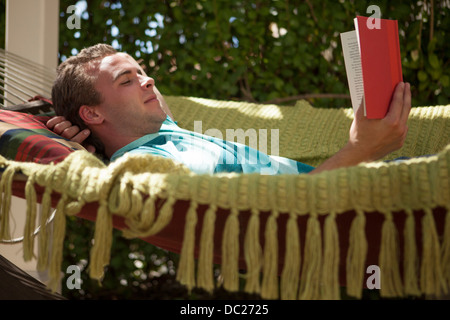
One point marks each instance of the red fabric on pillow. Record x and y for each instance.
(25, 137)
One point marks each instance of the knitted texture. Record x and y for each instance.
(130, 186)
(307, 134)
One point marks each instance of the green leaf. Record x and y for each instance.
(434, 61)
(432, 45)
(435, 73)
(423, 85)
(422, 75)
(445, 80)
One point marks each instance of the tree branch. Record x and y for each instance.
(432, 20)
(312, 11)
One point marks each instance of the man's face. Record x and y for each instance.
(129, 104)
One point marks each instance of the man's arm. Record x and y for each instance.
(372, 139)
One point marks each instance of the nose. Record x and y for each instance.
(147, 82)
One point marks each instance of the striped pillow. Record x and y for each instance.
(25, 137)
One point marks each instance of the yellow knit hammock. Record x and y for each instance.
(130, 186)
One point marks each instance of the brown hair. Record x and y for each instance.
(75, 86)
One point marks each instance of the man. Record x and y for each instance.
(108, 93)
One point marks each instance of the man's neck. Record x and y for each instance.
(115, 140)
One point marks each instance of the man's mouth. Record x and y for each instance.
(151, 98)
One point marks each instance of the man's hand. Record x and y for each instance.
(65, 129)
(372, 139)
(377, 138)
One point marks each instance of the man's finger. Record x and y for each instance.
(81, 136)
(59, 128)
(70, 132)
(396, 106)
(54, 121)
(406, 102)
(90, 148)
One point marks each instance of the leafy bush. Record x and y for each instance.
(264, 51)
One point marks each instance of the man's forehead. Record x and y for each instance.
(118, 60)
(114, 65)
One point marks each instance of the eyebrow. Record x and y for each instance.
(124, 72)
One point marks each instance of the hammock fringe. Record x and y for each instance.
(311, 273)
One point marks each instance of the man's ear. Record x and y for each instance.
(90, 115)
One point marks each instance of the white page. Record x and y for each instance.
(352, 59)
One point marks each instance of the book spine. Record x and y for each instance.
(394, 52)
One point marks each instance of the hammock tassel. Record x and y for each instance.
(30, 222)
(59, 232)
(310, 283)
(101, 250)
(292, 260)
(446, 249)
(269, 288)
(410, 253)
(391, 285)
(356, 256)
(205, 272)
(186, 267)
(330, 274)
(230, 252)
(253, 253)
(43, 240)
(6, 193)
(431, 276)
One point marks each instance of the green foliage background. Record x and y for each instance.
(260, 51)
(226, 49)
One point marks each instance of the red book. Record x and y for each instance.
(373, 64)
